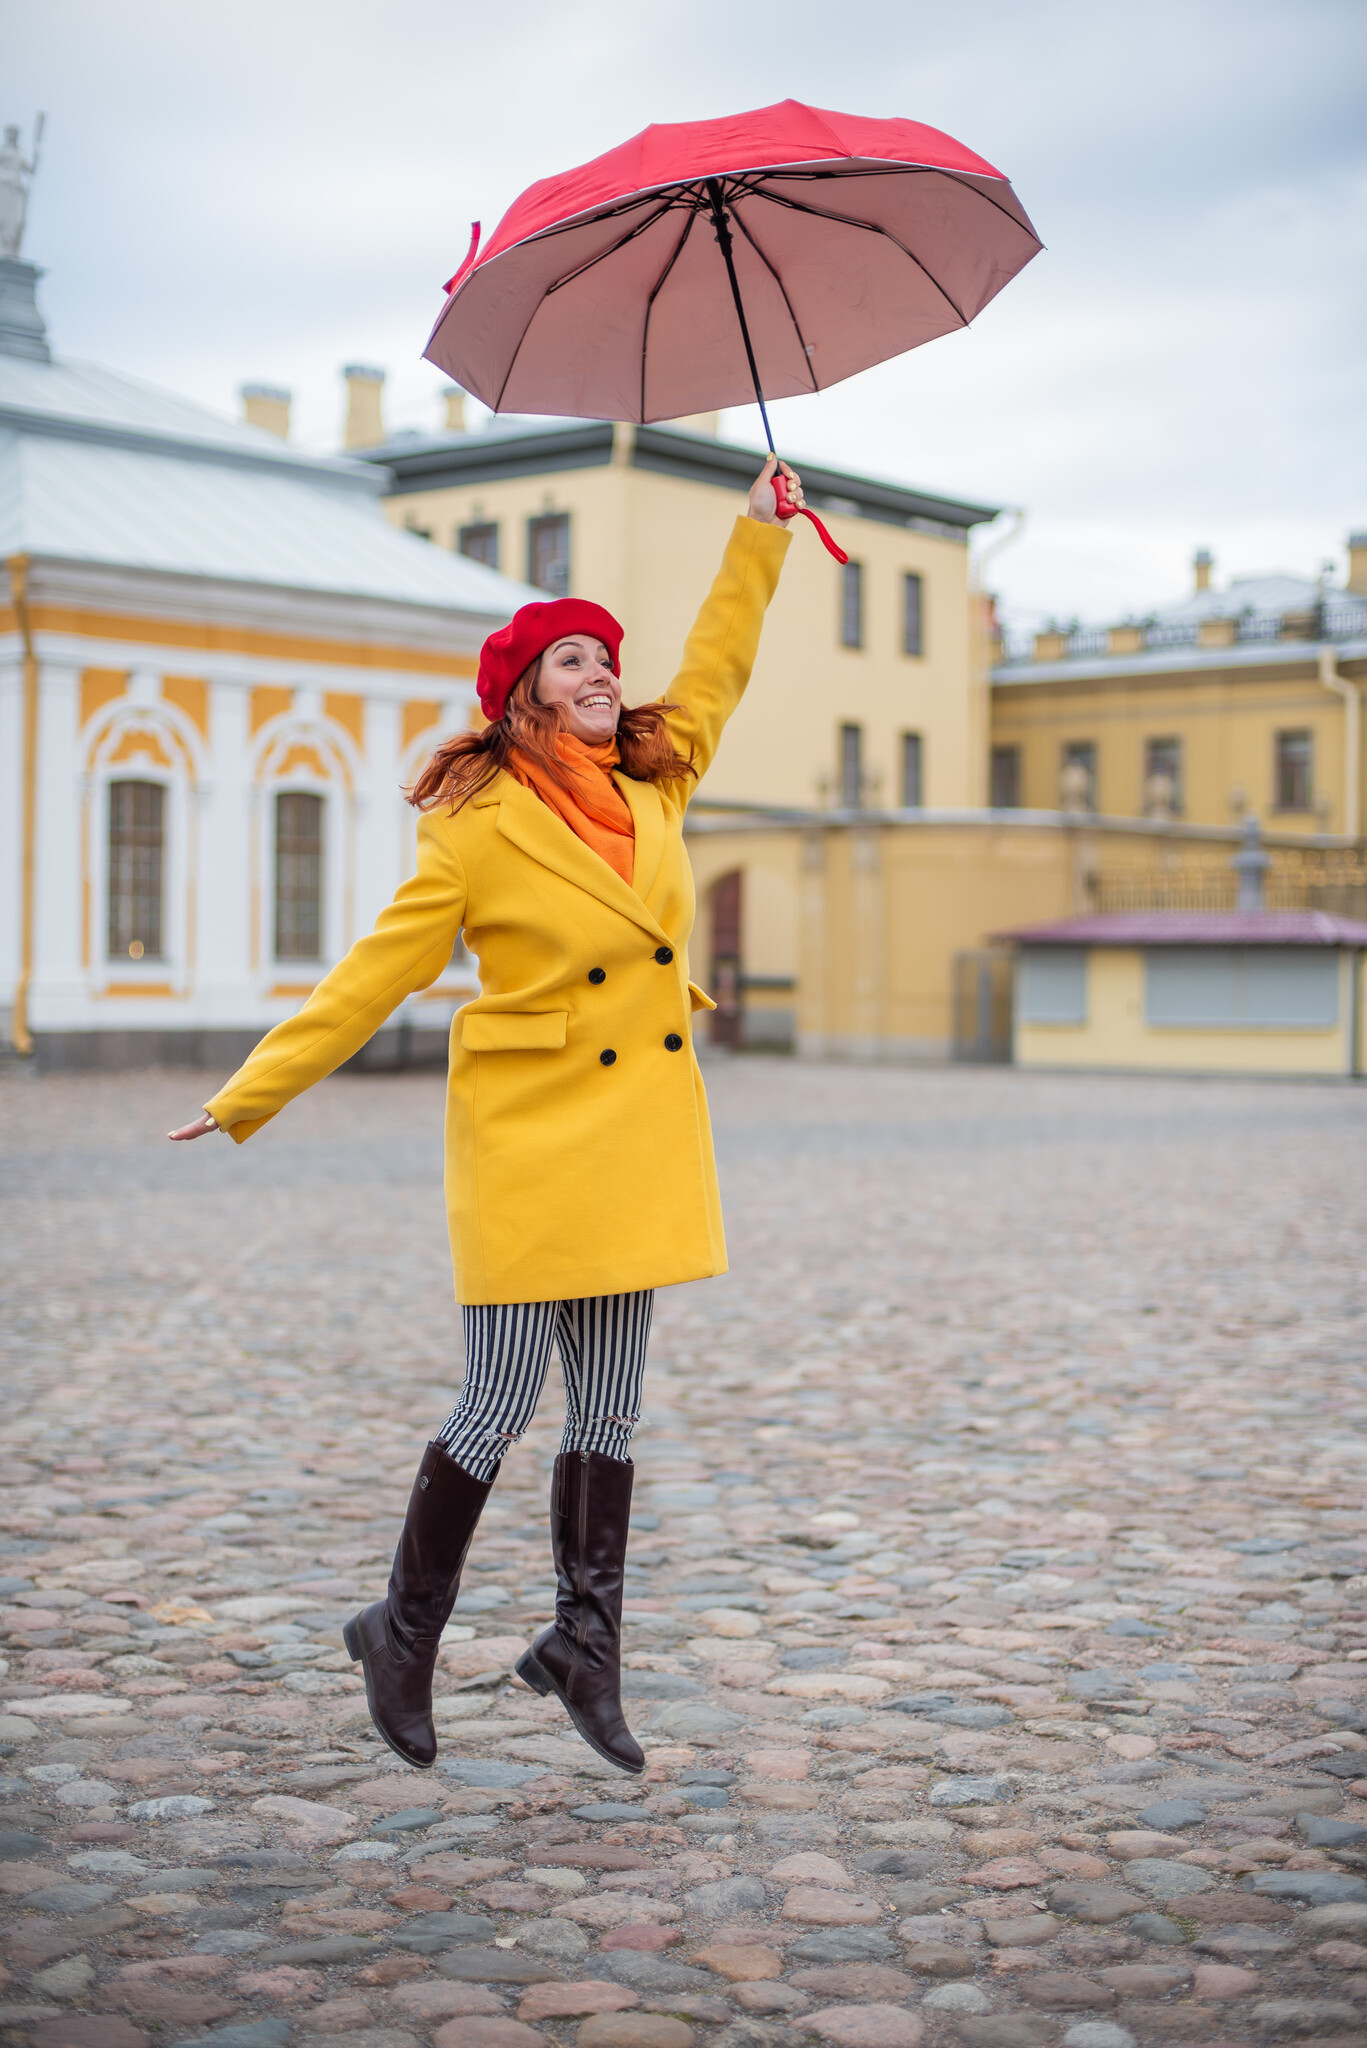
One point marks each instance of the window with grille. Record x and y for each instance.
(137, 862)
(913, 760)
(851, 767)
(548, 553)
(479, 542)
(913, 615)
(1005, 793)
(298, 875)
(852, 604)
(1295, 776)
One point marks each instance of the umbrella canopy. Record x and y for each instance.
(612, 291)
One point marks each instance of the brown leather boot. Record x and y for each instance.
(396, 1639)
(579, 1658)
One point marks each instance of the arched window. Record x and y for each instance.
(298, 875)
(137, 865)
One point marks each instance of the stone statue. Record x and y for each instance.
(16, 176)
(1074, 787)
(1160, 797)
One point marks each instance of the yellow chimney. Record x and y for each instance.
(268, 406)
(364, 405)
(454, 399)
(1202, 563)
(1357, 564)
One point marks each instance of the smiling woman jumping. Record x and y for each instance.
(579, 1169)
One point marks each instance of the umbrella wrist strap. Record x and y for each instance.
(788, 510)
(831, 547)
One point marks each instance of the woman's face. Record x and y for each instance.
(576, 675)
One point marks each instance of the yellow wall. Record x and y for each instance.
(1115, 1034)
(647, 545)
(868, 918)
(1227, 721)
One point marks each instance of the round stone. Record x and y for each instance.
(961, 1997)
(634, 2030)
(865, 2026)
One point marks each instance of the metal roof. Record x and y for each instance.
(516, 446)
(1269, 595)
(1194, 928)
(97, 468)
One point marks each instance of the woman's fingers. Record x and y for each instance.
(197, 1129)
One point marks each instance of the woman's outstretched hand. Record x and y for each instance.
(763, 502)
(197, 1129)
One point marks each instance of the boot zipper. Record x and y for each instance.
(582, 1635)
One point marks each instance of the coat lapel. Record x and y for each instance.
(534, 828)
(647, 813)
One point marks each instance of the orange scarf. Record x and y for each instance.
(595, 810)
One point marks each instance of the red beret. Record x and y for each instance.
(508, 653)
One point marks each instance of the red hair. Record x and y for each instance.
(465, 764)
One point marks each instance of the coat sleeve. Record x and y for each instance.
(410, 945)
(720, 651)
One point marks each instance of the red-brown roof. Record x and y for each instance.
(1194, 928)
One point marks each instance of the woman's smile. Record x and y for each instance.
(577, 676)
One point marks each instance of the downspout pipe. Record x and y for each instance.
(20, 1036)
(978, 601)
(1352, 767)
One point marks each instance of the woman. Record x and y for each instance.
(579, 1169)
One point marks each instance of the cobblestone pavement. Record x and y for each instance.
(997, 1608)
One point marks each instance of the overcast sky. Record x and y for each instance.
(267, 191)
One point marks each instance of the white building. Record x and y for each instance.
(219, 664)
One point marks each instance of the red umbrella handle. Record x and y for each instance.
(787, 509)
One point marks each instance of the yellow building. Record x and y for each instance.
(218, 666)
(870, 935)
(1242, 698)
(1230, 992)
(869, 688)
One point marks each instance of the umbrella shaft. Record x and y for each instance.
(723, 234)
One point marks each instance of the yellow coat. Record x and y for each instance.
(568, 1173)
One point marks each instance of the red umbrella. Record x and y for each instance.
(704, 262)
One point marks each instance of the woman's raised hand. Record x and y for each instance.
(763, 500)
(197, 1129)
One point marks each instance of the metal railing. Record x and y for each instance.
(1337, 618)
(1298, 879)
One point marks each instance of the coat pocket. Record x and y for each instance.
(514, 1030)
(699, 997)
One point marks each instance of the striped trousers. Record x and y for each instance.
(602, 1344)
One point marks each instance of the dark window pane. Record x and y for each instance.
(1163, 774)
(298, 876)
(852, 605)
(913, 754)
(1078, 777)
(1295, 771)
(480, 543)
(1005, 794)
(851, 767)
(913, 615)
(137, 853)
(548, 553)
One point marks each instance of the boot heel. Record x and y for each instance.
(352, 1641)
(531, 1673)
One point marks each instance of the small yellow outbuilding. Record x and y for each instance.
(1198, 992)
